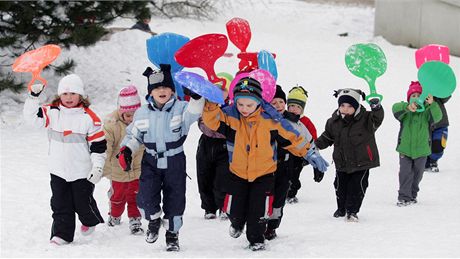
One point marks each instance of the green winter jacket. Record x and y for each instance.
(414, 138)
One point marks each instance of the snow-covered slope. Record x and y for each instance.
(310, 53)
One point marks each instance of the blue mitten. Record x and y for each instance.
(316, 160)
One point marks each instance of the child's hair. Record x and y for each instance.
(84, 101)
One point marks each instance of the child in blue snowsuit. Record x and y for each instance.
(161, 126)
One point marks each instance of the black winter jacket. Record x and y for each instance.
(353, 137)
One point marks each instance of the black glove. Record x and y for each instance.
(125, 158)
(193, 95)
(375, 104)
(36, 90)
(318, 175)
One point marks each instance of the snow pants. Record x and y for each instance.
(295, 168)
(212, 170)
(279, 194)
(171, 182)
(350, 190)
(69, 198)
(122, 193)
(438, 144)
(250, 203)
(410, 176)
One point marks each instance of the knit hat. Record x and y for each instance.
(414, 87)
(248, 87)
(71, 84)
(157, 78)
(297, 95)
(128, 99)
(350, 96)
(280, 93)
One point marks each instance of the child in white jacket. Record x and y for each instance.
(76, 156)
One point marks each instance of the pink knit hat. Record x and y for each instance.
(128, 99)
(414, 87)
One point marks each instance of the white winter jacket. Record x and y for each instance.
(76, 139)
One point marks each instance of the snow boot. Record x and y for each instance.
(270, 234)
(210, 215)
(339, 213)
(172, 241)
(235, 233)
(223, 215)
(58, 241)
(152, 231)
(292, 200)
(352, 217)
(113, 221)
(135, 226)
(257, 246)
(403, 203)
(86, 231)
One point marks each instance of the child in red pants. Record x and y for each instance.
(124, 185)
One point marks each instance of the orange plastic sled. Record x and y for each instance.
(35, 60)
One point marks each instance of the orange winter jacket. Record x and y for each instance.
(252, 141)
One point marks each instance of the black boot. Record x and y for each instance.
(270, 234)
(172, 241)
(339, 213)
(152, 231)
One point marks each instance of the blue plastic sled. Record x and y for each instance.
(161, 49)
(200, 85)
(267, 62)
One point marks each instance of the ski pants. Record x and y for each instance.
(250, 203)
(279, 194)
(295, 168)
(350, 189)
(122, 193)
(410, 176)
(212, 169)
(438, 144)
(171, 182)
(69, 198)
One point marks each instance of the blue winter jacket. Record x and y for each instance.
(162, 131)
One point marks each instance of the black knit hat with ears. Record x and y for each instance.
(160, 77)
(350, 96)
(280, 93)
(248, 87)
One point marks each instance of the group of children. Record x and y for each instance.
(249, 156)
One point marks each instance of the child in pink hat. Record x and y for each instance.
(124, 185)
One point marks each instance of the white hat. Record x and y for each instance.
(128, 99)
(71, 84)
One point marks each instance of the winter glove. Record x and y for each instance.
(125, 158)
(95, 175)
(318, 175)
(36, 90)
(375, 104)
(193, 95)
(316, 160)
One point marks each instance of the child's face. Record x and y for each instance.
(296, 109)
(414, 95)
(161, 95)
(346, 109)
(70, 100)
(246, 106)
(279, 104)
(127, 117)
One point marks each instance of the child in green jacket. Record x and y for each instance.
(414, 141)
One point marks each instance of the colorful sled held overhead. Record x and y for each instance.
(35, 60)
(239, 33)
(266, 61)
(161, 49)
(265, 78)
(432, 52)
(437, 79)
(200, 85)
(367, 61)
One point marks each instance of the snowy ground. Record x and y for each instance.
(309, 52)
